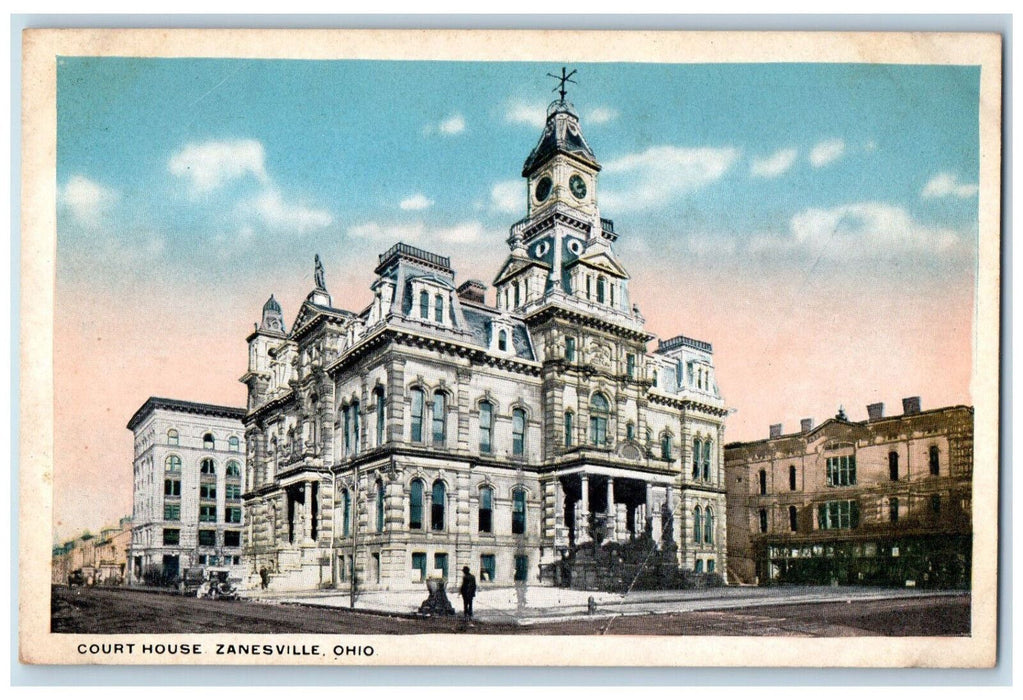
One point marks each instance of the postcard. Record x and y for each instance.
(509, 348)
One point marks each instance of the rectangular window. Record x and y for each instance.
(763, 520)
(570, 349)
(842, 470)
(568, 430)
(486, 427)
(521, 567)
(207, 538)
(935, 504)
(838, 515)
(932, 458)
(438, 309)
(208, 490)
(171, 487)
(440, 563)
(417, 415)
(207, 514)
(486, 514)
(793, 518)
(488, 567)
(630, 365)
(171, 536)
(233, 492)
(893, 510)
(710, 566)
(232, 515)
(518, 431)
(172, 511)
(380, 418)
(519, 512)
(419, 566)
(232, 538)
(439, 419)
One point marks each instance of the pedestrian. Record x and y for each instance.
(264, 577)
(468, 591)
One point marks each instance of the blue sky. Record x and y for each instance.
(183, 156)
(816, 223)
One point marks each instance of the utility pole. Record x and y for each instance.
(355, 533)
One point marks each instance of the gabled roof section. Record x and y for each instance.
(309, 311)
(561, 135)
(600, 260)
(516, 264)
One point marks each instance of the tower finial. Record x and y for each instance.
(562, 79)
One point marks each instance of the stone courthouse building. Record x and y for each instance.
(885, 501)
(445, 425)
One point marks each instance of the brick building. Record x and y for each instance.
(886, 500)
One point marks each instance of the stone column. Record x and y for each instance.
(307, 513)
(648, 506)
(582, 513)
(610, 511)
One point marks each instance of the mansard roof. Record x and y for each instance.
(561, 135)
(154, 403)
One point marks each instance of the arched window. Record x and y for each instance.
(697, 451)
(793, 518)
(486, 427)
(172, 437)
(630, 431)
(763, 520)
(932, 455)
(763, 482)
(346, 513)
(380, 410)
(518, 512)
(424, 304)
(417, 415)
(172, 464)
(893, 466)
(708, 526)
(208, 466)
(518, 432)
(356, 432)
(380, 506)
(415, 507)
(697, 525)
(515, 293)
(232, 443)
(208, 443)
(502, 340)
(568, 428)
(486, 515)
(233, 470)
(792, 477)
(438, 309)
(601, 284)
(598, 419)
(437, 507)
(439, 418)
(666, 446)
(706, 460)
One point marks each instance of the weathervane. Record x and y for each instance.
(562, 79)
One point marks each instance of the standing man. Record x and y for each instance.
(468, 591)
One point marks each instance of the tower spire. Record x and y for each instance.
(562, 79)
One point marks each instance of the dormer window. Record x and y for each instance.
(438, 309)
(502, 341)
(424, 304)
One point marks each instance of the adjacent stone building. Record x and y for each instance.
(189, 476)
(101, 559)
(885, 500)
(435, 429)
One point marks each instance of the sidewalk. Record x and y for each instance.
(536, 604)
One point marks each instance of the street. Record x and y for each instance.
(126, 611)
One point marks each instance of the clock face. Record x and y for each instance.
(543, 189)
(578, 186)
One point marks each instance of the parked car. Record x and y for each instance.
(76, 578)
(218, 584)
(191, 580)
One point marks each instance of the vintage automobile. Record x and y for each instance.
(76, 578)
(218, 584)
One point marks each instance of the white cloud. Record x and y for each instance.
(658, 174)
(464, 232)
(773, 165)
(86, 200)
(293, 217)
(209, 165)
(947, 185)
(455, 124)
(599, 115)
(827, 152)
(508, 197)
(526, 114)
(416, 202)
(862, 230)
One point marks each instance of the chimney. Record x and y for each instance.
(911, 405)
(473, 290)
(875, 411)
(806, 425)
(776, 430)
